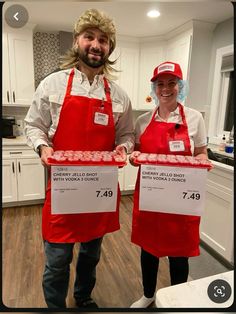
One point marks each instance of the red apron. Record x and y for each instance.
(163, 234)
(76, 130)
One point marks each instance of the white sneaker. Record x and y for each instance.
(143, 302)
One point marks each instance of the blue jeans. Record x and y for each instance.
(57, 271)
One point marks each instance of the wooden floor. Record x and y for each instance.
(118, 273)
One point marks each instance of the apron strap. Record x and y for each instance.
(181, 110)
(70, 81)
(107, 90)
(154, 114)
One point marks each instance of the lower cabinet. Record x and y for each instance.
(217, 220)
(121, 178)
(127, 178)
(23, 179)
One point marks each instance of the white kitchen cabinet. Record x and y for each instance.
(115, 56)
(178, 50)
(18, 67)
(23, 176)
(121, 178)
(190, 46)
(127, 177)
(216, 228)
(150, 57)
(199, 65)
(128, 80)
(130, 177)
(9, 180)
(127, 56)
(6, 87)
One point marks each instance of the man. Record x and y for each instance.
(63, 116)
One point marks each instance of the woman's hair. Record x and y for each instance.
(92, 18)
(182, 94)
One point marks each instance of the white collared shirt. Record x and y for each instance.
(42, 118)
(194, 119)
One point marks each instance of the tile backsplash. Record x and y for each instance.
(46, 54)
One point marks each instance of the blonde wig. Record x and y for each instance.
(97, 19)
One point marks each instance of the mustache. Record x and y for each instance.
(95, 51)
(77, 51)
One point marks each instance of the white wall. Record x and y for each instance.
(223, 35)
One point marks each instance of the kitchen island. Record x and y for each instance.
(193, 294)
(216, 229)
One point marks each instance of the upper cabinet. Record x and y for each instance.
(127, 56)
(150, 56)
(190, 45)
(199, 65)
(175, 49)
(178, 50)
(18, 67)
(129, 69)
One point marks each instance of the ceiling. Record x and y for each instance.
(130, 17)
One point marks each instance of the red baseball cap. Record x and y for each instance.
(167, 67)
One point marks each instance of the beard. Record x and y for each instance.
(90, 61)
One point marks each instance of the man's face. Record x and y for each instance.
(93, 47)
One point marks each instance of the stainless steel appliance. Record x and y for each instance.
(9, 127)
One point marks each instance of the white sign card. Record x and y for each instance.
(84, 189)
(177, 190)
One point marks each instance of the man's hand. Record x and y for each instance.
(121, 150)
(45, 152)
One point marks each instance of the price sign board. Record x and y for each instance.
(84, 189)
(176, 190)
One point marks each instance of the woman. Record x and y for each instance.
(170, 129)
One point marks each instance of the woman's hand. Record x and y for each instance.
(200, 152)
(133, 156)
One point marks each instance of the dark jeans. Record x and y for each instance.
(179, 270)
(57, 271)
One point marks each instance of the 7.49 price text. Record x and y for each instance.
(191, 195)
(104, 193)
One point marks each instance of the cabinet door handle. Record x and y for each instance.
(14, 99)
(8, 96)
(19, 166)
(13, 167)
(14, 153)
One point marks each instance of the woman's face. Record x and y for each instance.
(167, 88)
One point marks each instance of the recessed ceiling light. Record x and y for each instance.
(153, 13)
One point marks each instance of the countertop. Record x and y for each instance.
(193, 294)
(220, 165)
(215, 149)
(19, 140)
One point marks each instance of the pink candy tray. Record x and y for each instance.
(87, 158)
(170, 160)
